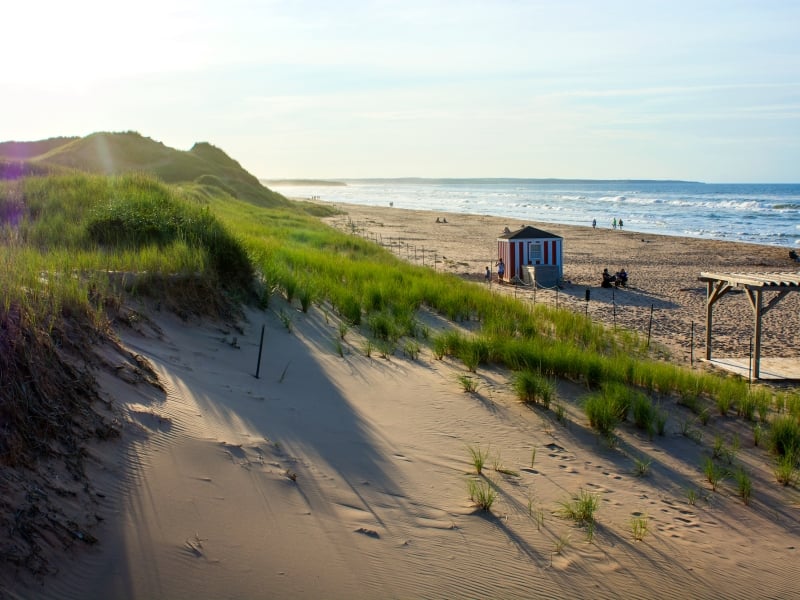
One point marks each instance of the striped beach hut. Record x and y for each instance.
(532, 255)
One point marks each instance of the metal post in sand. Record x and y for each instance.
(260, 348)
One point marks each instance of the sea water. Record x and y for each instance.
(752, 213)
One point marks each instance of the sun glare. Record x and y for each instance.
(71, 45)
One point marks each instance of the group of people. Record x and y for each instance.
(501, 270)
(620, 278)
(614, 224)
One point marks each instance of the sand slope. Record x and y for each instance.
(347, 476)
(379, 508)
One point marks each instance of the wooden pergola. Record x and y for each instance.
(754, 285)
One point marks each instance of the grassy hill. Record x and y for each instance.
(117, 153)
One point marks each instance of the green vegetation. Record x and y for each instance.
(482, 493)
(478, 457)
(715, 473)
(744, 484)
(200, 234)
(532, 387)
(468, 383)
(641, 466)
(580, 508)
(639, 527)
(784, 436)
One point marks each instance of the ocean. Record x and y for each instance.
(752, 213)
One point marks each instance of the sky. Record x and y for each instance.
(703, 90)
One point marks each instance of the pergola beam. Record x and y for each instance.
(754, 284)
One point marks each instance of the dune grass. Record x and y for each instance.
(482, 493)
(63, 234)
(478, 457)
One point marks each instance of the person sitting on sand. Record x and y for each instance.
(621, 278)
(608, 279)
(437, 220)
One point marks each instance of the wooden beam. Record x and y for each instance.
(754, 284)
(713, 293)
(757, 354)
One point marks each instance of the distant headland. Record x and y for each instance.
(470, 180)
(286, 182)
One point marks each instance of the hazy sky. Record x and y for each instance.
(701, 90)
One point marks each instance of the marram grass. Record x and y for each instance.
(62, 235)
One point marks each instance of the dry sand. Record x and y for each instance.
(663, 273)
(346, 476)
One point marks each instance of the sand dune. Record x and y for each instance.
(347, 476)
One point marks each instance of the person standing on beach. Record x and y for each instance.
(488, 275)
(614, 223)
(620, 223)
(501, 268)
(594, 223)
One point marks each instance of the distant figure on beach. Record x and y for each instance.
(594, 223)
(501, 268)
(614, 223)
(620, 223)
(437, 220)
(488, 275)
(444, 219)
(621, 278)
(608, 279)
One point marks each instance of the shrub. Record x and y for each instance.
(714, 473)
(474, 352)
(639, 527)
(478, 457)
(532, 387)
(661, 421)
(382, 326)
(605, 409)
(603, 415)
(744, 484)
(644, 413)
(784, 436)
(349, 308)
(411, 349)
(785, 470)
(641, 466)
(306, 297)
(746, 407)
(469, 384)
(482, 494)
(580, 508)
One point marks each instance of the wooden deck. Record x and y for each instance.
(771, 368)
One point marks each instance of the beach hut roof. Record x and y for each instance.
(527, 233)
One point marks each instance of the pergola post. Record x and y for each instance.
(756, 303)
(712, 295)
(754, 284)
(709, 318)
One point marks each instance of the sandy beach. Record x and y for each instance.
(346, 476)
(663, 270)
